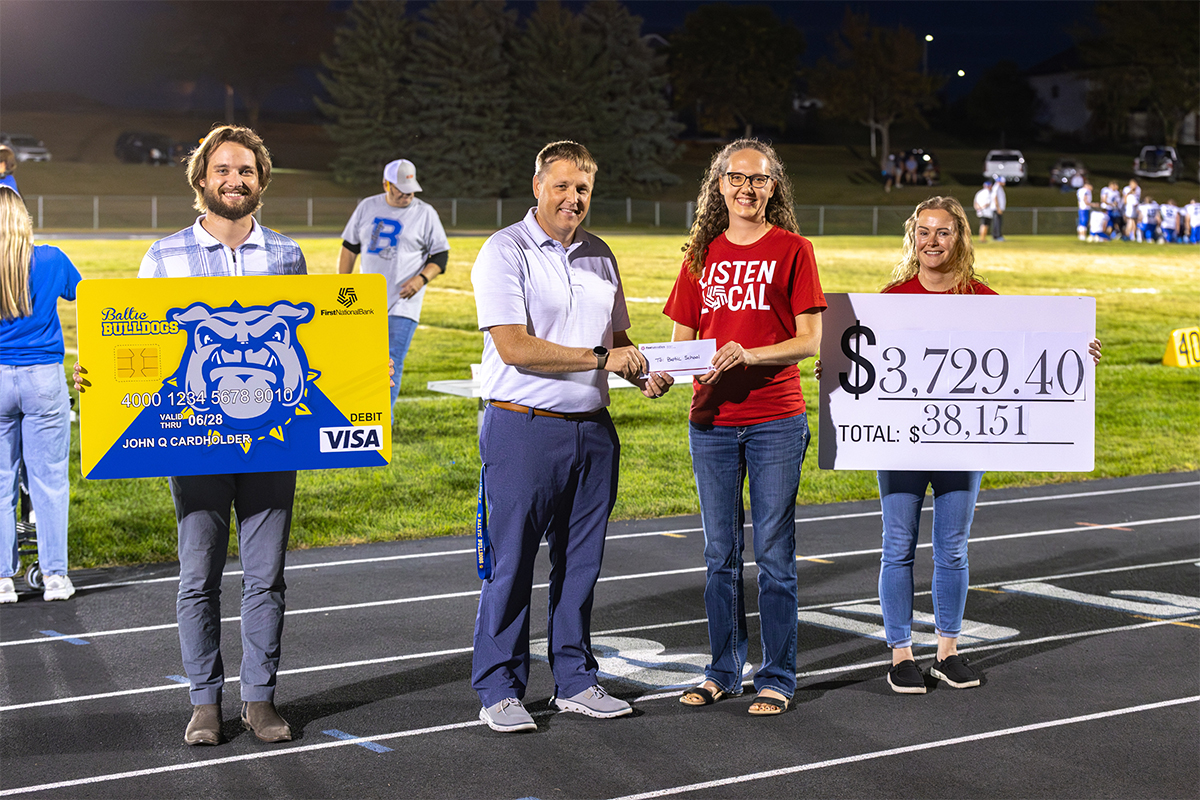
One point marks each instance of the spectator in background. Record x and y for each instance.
(984, 209)
(1168, 214)
(1191, 214)
(1147, 220)
(999, 203)
(8, 163)
(1131, 197)
(35, 409)
(891, 172)
(1110, 202)
(404, 241)
(910, 169)
(1083, 199)
(1099, 226)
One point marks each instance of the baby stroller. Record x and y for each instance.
(27, 530)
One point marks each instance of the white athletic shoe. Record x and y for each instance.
(58, 587)
(8, 592)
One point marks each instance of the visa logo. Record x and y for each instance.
(337, 440)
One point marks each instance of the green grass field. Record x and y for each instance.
(1147, 414)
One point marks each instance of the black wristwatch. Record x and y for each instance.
(601, 353)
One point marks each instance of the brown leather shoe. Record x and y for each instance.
(205, 726)
(261, 717)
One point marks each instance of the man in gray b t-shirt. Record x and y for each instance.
(401, 238)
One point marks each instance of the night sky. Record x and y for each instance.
(90, 48)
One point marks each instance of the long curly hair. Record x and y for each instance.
(712, 217)
(962, 252)
(16, 246)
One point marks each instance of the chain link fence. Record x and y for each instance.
(483, 215)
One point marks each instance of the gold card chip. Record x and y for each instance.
(137, 363)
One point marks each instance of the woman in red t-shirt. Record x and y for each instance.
(749, 281)
(938, 258)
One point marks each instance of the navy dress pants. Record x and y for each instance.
(554, 479)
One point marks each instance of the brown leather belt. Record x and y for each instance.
(537, 412)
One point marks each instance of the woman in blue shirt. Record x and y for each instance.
(35, 409)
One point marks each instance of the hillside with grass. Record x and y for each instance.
(84, 163)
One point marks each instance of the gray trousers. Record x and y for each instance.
(263, 504)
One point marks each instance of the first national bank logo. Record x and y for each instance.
(347, 296)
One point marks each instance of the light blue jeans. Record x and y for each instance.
(770, 454)
(400, 335)
(901, 495)
(35, 424)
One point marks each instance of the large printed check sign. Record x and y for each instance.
(935, 382)
(200, 376)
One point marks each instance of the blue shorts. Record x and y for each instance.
(1084, 214)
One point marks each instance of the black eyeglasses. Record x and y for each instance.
(737, 179)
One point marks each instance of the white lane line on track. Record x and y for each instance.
(611, 578)
(975, 737)
(675, 531)
(658, 626)
(915, 748)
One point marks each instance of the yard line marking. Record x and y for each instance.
(358, 740)
(1025, 535)
(610, 578)
(640, 534)
(285, 751)
(914, 748)
(674, 693)
(1094, 525)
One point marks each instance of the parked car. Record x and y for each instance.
(26, 147)
(1064, 171)
(1158, 161)
(140, 147)
(927, 165)
(1007, 164)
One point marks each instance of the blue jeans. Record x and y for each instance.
(400, 334)
(35, 424)
(901, 495)
(771, 454)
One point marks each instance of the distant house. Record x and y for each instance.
(1062, 87)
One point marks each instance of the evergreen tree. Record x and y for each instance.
(464, 143)
(592, 79)
(736, 66)
(635, 128)
(555, 77)
(369, 106)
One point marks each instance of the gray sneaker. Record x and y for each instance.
(507, 716)
(594, 702)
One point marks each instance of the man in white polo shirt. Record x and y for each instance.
(549, 299)
(400, 237)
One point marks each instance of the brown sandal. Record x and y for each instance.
(769, 706)
(701, 695)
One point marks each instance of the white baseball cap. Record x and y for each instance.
(403, 175)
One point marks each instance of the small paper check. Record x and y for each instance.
(680, 358)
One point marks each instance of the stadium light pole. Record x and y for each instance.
(925, 54)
